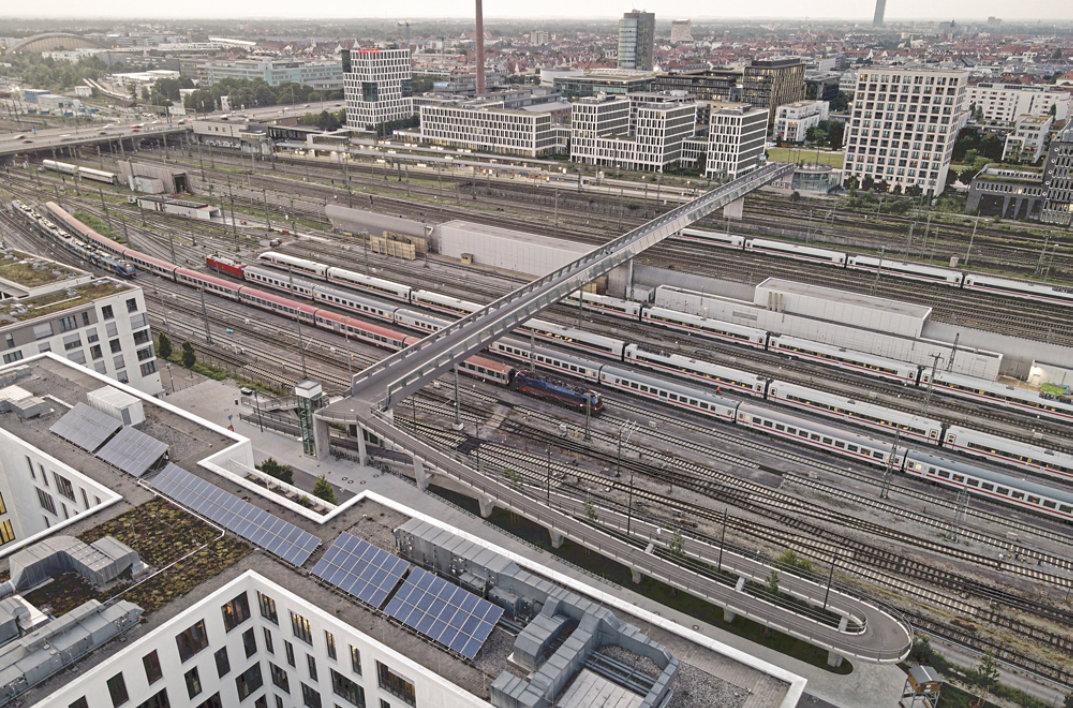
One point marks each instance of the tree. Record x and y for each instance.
(790, 559)
(986, 676)
(772, 582)
(836, 132)
(677, 544)
(913, 190)
(513, 477)
(590, 510)
(324, 490)
(868, 182)
(283, 473)
(795, 196)
(840, 102)
(163, 346)
(189, 357)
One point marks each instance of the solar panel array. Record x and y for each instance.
(86, 427)
(446, 613)
(132, 451)
(360, 569)
(278, 537)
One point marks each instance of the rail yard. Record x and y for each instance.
(944, 500)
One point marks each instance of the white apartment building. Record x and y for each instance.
(377, 87)
(1028, 141)
(793, 120)
(100, 323)
(736, 136)
(903, 126)
(1004, 103)
(489, 126)
(640, 131)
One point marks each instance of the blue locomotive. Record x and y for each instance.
(551, 388)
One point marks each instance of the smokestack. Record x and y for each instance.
(881, 9)
(480, 48)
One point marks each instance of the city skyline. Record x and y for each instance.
(904, 10)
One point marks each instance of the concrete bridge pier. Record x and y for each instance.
(321, 439)
(420, 474)
(728, 615)
(635, 576)
(556, 538)
(734, 210)
(487, 504)
(834, 660)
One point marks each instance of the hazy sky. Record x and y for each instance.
(665, 9)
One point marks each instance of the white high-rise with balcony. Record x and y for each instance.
(378, 87)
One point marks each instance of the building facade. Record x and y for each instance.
(710, 85)
(1028, 141)
(609, 81)
(1058, 178)
(1005, 103)
(644, 131)
(326, 75)
(378, 87)
(793, 120)
(489, 126)
(903, 126)
(681, 31)
(772, 82)
(736, 136)
(637, 41)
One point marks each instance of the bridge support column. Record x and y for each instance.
(635, 576)
(728, 614)
(734, 209)
(834, 660)
(363, 448)
(321, 439)
(486, 504)
(420, 474)
(556, 538)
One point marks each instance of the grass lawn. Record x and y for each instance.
(824, 157)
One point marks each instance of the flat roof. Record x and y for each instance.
(12, 311)
(880, 304)
(512, 235)
(32, 271)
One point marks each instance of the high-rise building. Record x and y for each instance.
(640, 131)
(881, 9)
(736, 135)
(773, 82)
(378, 87)
(637, 41)
(903, 125)
(1058, 179)
(681, 31)
(1006, 103)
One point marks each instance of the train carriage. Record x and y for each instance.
(903, 372)
(618, 307)
(547, 359)
(795, 251)
(574, 338)
(669, 392)
(711, 238)
(275, 303)
(151, 263)
(304, 265)
(280, 281)
(368, 283)
(363, 331)
(209, 283)
(443, 303)
(784, 425)
(912, 271)
(705, 327)
(81, 230)
(488, 370)
(354, 303)
(1024, 456)
(419, 320)
(868, 415)
(1019, 288)
(988, 484)
(992, 392)
(720, 377)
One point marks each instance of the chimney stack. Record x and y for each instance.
(480, 48)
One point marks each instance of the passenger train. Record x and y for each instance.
(994, 485)
(82, 172)
(1006, 287)
(82, 250)
(906, 426)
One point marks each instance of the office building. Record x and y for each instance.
(881, 9)
(607, 81)
(1058, 178)
(368, 602)
(773, 82)
(1005, 103)
(323, 74)
(100, 323)
(644, 131)
(637, 41)
(793, 120)
(681, 31)
(708, 85)
(491, 127)
(903, 126)
(378, 87)
(822, 87)
(736, 136)
(538, 38)
(1028, 141)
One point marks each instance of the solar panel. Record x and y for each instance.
(446, 613)
(86, 427)
(278, 537)
(360, 569)
(132, 451)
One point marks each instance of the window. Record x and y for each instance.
(115, 345)
(236, 611)
(117, 689)
(63, 486)
(268, 641)
(347, 689)
(68, 323)
(223, 663)
(394, 684)
(106, 312)
(192, 640)
(80, 703)
(249, 642)
(46, 502)
(13, 356)
(7, 533)
(249, 681)
(301, 628)
(193, 682)
(159, 700)
(95, 351)
(268, 608)
(153, 672)
(212, 701)
(311, 664)
(329, 642)
(289, 651)
(355, 660)
(279, 677)
(132, 305)
(310, 697)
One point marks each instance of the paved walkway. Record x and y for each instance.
(868, 684)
